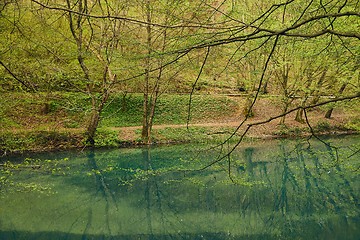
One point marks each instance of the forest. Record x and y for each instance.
(179, 119)
(84, 72)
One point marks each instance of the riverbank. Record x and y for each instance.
(215, 132)
(26, 126)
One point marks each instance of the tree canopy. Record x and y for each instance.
(298, 49)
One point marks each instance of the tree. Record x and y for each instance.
(295, 20)
(24, 57)
(92, 39)
(166, 35)
(159, 41)
(97, 49)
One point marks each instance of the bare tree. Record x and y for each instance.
(290, 20)
(270, 23)
(97, 43)
(80, 26)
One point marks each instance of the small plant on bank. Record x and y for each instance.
(284, 130)
(106, 138)
(354, 124)
(323, 126)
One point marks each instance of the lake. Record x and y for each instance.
(274, 189)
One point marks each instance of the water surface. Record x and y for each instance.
(264, 190)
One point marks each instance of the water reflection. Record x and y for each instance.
(103, 192)
(283, 190)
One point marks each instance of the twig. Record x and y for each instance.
(194, 85)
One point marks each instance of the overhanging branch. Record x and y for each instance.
(249, 126)
(133, 20)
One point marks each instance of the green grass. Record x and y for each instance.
(40, 110)
(170, 109)
(195, 134)
(38, 141)
(24, 125)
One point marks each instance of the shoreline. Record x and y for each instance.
(26, 128)
(67, 140)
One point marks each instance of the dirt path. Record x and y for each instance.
(270, 129)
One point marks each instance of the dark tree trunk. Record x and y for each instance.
(299, 116)
(248, 110)
(330, 111)
(146, 128)
(282, 120)
(145, 125)
(152, 112)
(149, 113)
(286, 104)
(95, 118)
(91, 129)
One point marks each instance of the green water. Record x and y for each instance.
(264, 190)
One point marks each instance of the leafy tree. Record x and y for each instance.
(159, 40)
(313, 24)
(95, 49)
(22, 51)
(108, 43)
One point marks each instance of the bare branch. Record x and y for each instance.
(249, 126)
(194, 85)
(266, 33)
(257, 93)
(133, 20)
(31, 87)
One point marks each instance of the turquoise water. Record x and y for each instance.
(264, 190)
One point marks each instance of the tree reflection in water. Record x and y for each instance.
(287, 189)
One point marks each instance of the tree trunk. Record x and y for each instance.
(92, 126)
(149, 113)
(299, 116)
(145, 134)
(330, 111)
(282, 120)
(287, 101)
(152, 110)
(316, 91)
(265, 87)
(95, 117)
(85, 48)
(300, 113)
(248, 110)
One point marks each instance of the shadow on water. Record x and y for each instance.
(59, 235)
(283, 190)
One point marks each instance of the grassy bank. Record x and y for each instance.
(53, 111)
(42, 122)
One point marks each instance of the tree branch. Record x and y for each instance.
(249, 126)
(31, 87)
(132, 20)
(193, 86)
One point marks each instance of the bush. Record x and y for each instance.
(106, 138)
